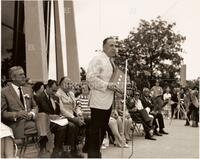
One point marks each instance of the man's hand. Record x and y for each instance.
(78, 121)
(22, 115)
(54, 117)
(30, 116)
(112, 86)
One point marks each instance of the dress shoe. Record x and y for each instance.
(66, 155)
(77, 155)
(42, 152)
(56, 154)
(85, 149)
(157, 133)
(195, 124)
(149, 138)
(163, 132)
(187, 124)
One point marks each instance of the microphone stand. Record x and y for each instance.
(124, 106)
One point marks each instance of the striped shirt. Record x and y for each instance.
(83, 102)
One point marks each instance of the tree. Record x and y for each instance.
(193, 84)
(153, 52)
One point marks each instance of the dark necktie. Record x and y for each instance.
(21, 95)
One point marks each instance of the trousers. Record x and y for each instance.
(99, 124)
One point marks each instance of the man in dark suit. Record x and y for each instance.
(18, 109)
(147, 103)
(64, 135)
(49, 103)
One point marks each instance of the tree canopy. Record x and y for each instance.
(153, 50)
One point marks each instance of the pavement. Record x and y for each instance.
(181, 142)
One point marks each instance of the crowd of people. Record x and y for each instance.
(82, 114)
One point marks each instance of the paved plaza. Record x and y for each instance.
(182, 142)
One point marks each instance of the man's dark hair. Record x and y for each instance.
(51, 82)
(106, 39)
(37, 86)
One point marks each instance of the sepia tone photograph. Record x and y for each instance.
(100, 78)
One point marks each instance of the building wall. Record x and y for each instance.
(37, 45)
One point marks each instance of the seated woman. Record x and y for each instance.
(115, 124)
(8, 147)
(71, 111)
(85, 113)
(128, 120)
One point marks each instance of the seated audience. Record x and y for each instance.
(71, 111)
(138, 112)
(128, 121)
(77, 90)
(18, 108)
(115, 124)
(83, 103)
(38, 88)
(8, 148)
(148, 104)
(49, 103)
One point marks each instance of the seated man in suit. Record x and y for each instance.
(147, 103)
(48, 103)
(137, 112)
(18, 109)
(51, 105)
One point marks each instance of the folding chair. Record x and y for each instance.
(26, 141)
(137, 123)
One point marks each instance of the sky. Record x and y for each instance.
(97, 19)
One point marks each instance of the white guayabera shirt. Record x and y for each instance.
(99, 73)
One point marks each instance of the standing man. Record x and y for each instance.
(99, 74)
(157, 97)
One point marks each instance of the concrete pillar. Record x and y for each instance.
(36, 56)
(59, 57)
(71, 43)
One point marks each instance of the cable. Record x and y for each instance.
(131, 145)
(144, 124)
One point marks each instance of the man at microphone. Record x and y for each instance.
(99, 73)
